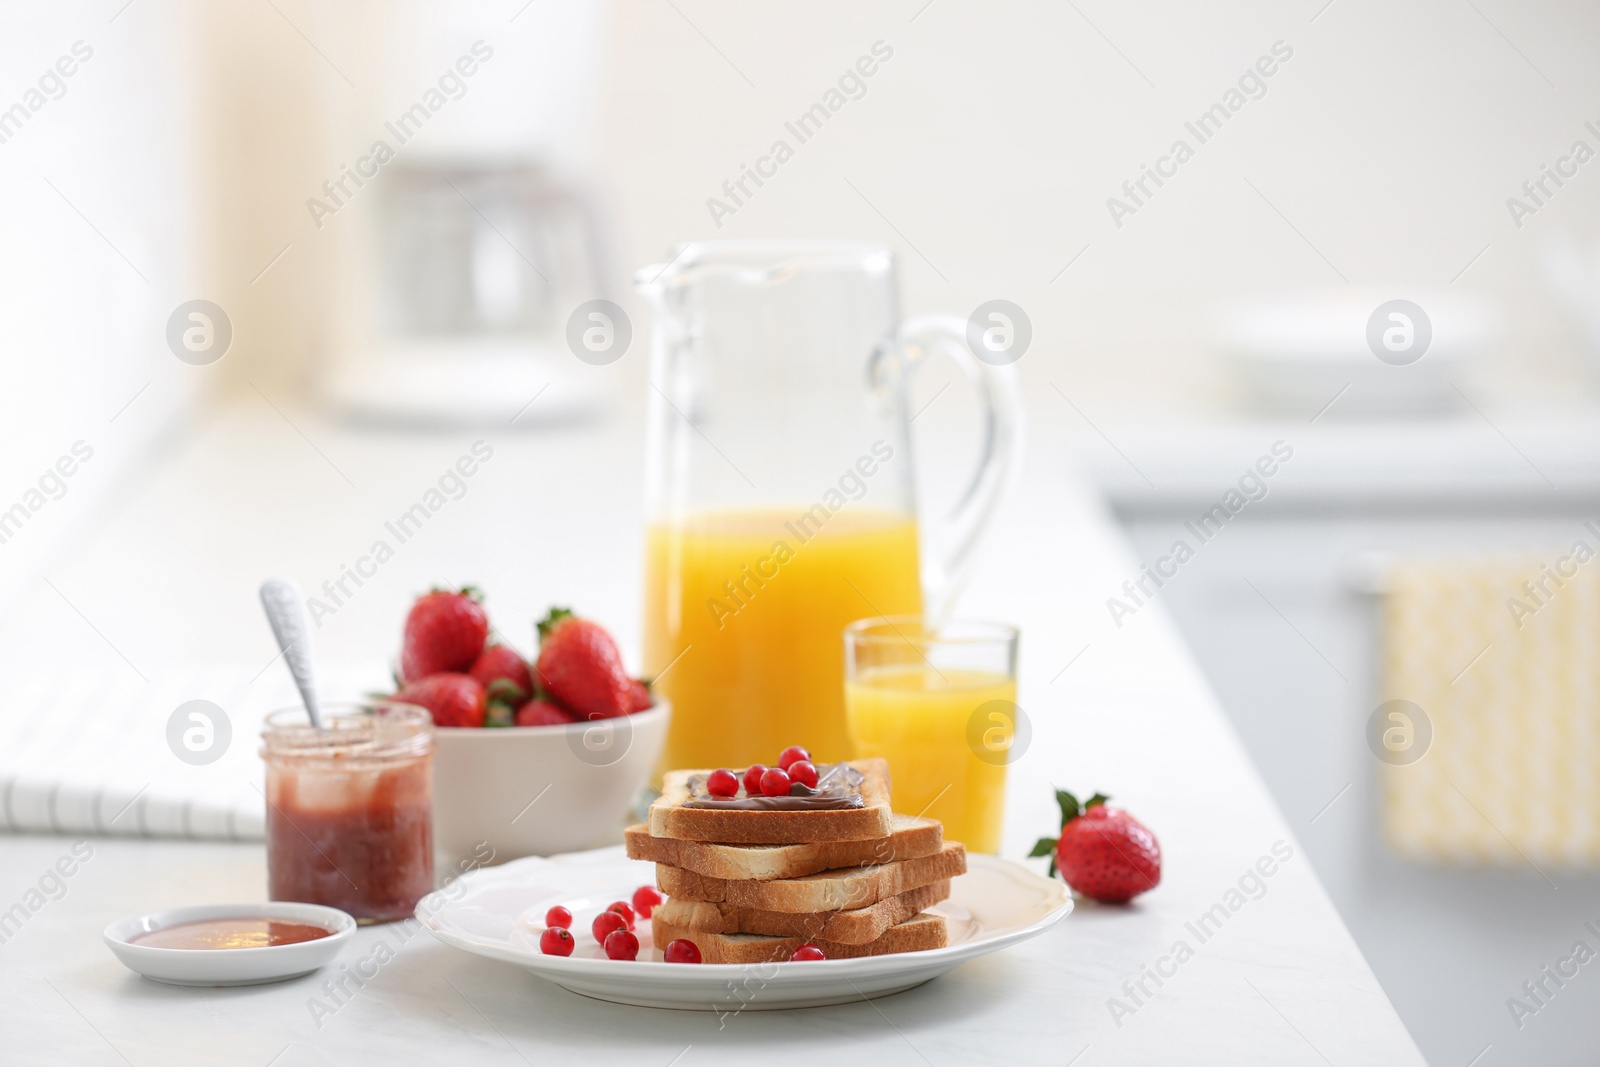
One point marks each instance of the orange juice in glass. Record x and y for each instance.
(779, 484)
(757, 598)
(940, 704)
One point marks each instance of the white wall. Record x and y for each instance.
(97, 250)
(994, 136)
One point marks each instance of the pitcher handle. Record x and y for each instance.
(948, 553)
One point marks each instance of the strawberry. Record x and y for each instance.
(452, 699)
(445, 632)
(1103, 853)
(639, 696)
(542, 713)
(503, 664)
(580, 668)
(503, 673)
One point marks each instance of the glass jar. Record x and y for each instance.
(350, 808)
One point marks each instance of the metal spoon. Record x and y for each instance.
(286, 611)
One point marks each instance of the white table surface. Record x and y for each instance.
(169, 577)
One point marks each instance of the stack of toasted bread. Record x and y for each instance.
(751, 879)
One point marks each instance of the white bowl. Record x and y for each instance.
(503, 793)
(1296, 352)
(229, 966)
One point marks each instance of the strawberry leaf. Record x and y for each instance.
(506, 691)
(1045, 846)
(1070, 809)
(550, 621)
(471, 592)
(1098, 798)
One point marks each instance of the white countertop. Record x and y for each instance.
(1476, 462)
(170, 578)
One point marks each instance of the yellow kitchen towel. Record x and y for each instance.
(1502, 657)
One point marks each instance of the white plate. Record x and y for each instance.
(499, 912)
(230, 966)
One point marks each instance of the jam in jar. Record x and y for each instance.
(350, 808)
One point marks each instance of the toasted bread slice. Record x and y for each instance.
(680, 814)
(919, 932)
(912, 838)
(856, 926)
(839, 890)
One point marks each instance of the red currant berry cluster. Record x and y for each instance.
(759, 780)
(614, 930)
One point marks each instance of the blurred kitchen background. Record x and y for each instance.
(226, 152)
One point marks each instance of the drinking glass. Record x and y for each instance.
(939, 702)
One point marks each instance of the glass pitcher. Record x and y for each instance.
(780, 500)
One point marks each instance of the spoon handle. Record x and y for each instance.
(286, 611)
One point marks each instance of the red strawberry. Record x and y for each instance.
(444, 632)
(542, 713)
(452, 699)
(1103, 853)
(640, 698)
(502, 663)
(580, 668)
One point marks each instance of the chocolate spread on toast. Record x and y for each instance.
(838, 788)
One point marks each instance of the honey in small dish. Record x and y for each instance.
(231, 933)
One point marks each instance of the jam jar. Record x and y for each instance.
(350, 808)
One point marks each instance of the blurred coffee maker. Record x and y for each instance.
(462, 261)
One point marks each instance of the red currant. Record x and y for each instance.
(556, 941)
(622, 945)
(558, 916)
(645, 899)
(752, 778)
(722, 783)
(775, 783)
(807, 952)
(607, 923)
(621, 908)
(792, 754)
(682, 951)
(804, 772)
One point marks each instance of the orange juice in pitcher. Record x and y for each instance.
(755, 601)
(779, 497)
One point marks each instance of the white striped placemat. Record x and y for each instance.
(90, 754)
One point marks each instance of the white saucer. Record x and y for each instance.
(499, 912)
(229, 966)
